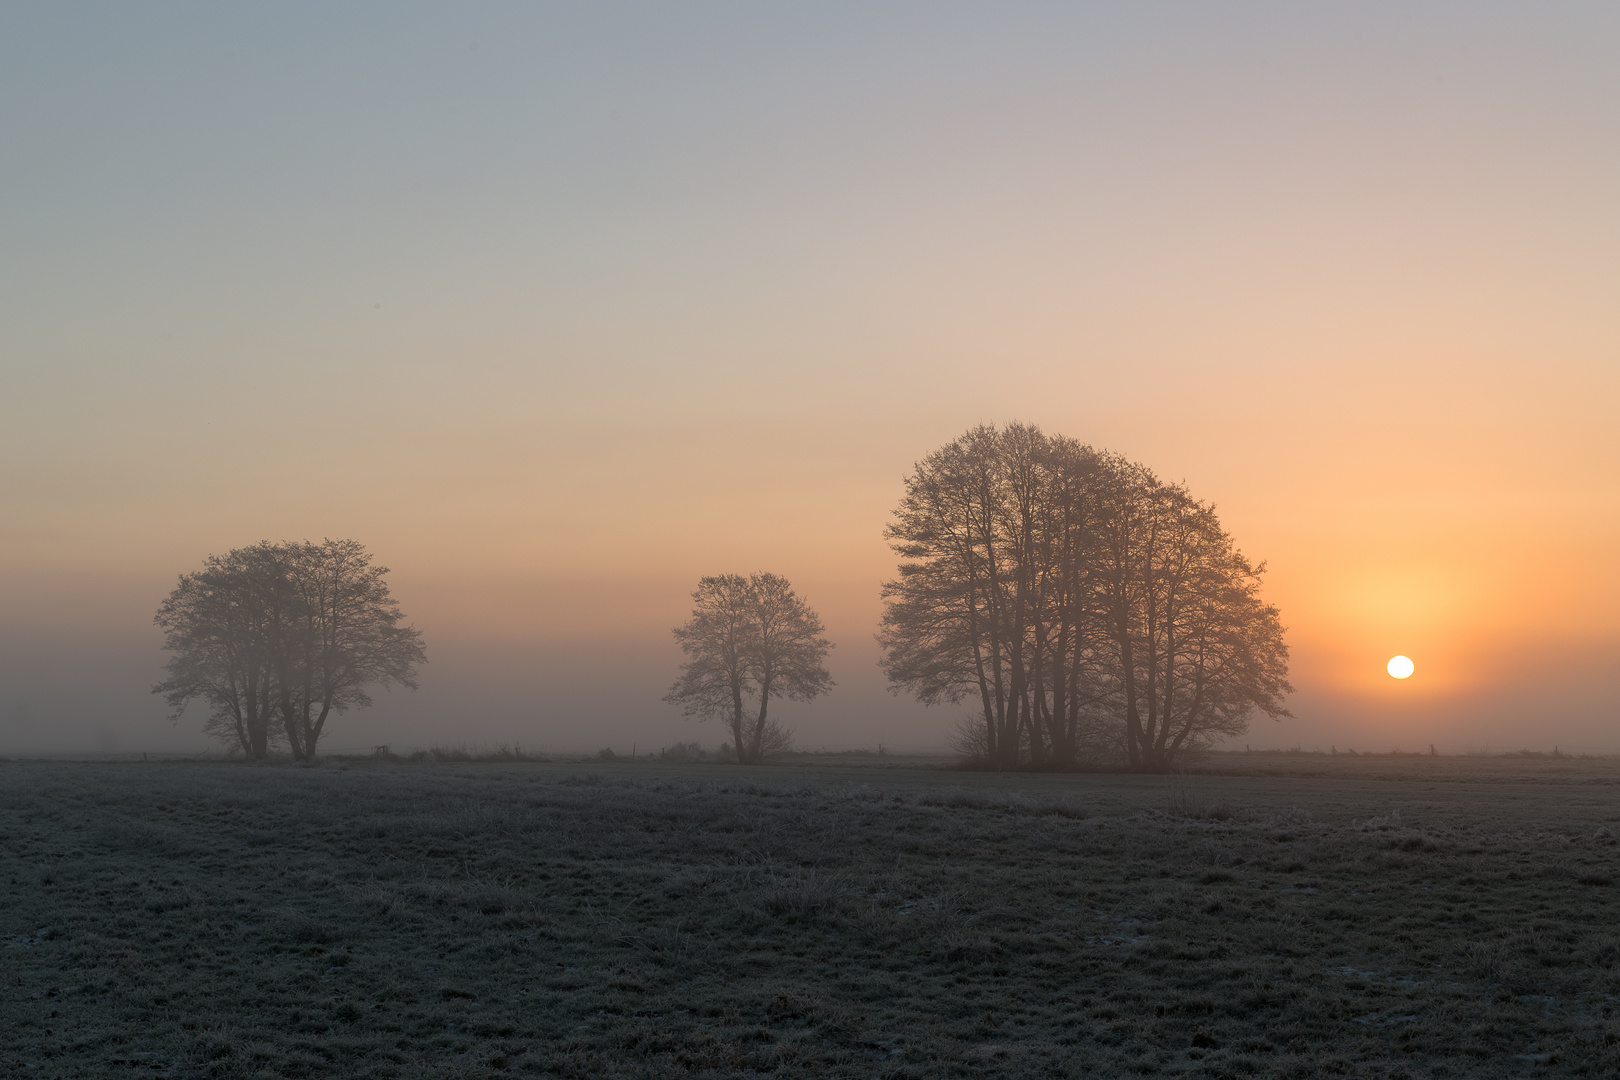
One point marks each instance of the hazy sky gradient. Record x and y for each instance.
(558, 309)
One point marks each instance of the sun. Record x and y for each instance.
(1401, 667)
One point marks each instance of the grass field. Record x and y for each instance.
(1322, 916)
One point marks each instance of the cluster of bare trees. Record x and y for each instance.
(750, 639)
(1088, 608)
(274, 638)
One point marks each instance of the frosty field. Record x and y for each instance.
(1369, 917)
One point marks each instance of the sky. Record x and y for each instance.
(558, 308)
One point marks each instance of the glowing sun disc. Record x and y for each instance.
(1401, 667)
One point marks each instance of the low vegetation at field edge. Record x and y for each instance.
(443, 919)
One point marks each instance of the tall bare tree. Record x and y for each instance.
(1084, 604)
(749, 640)
(276, 637)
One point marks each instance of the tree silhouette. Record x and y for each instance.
(1087, 606)
(274, 638)
(749, 640)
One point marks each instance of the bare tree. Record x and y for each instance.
(749, 640)
(276, 637)
(1084, 604)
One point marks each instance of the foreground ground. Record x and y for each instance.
(1408, 917)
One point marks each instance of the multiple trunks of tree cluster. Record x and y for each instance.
(1088, 608)
(276, 637)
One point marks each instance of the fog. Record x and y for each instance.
(559, 311)
(87, 690)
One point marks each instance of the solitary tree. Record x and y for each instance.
(276, 637)
(749, 640)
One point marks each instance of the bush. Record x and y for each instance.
(683, 752)
(971, 741)
(775, 740)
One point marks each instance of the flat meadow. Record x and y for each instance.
(1265, 915)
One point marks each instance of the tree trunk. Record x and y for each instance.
(984, 683)
(1133, 718)
(1062, 751)
(737, 723)
(756, 750)
(257, 720)
(312, 733)
(259, 737)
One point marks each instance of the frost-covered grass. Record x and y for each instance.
(420, 919)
